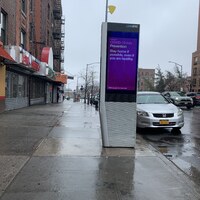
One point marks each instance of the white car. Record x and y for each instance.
(155, 111)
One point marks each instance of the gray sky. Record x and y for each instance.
(168, 31)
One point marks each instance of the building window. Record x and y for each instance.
(195, 60)
(23, 39)
(194, 82)
(23, 2)
(31, 5)
(48, 11)
(195, 71)
(48, 35)
(3, 34)
(31, 32)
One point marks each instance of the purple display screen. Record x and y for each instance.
(122, 61)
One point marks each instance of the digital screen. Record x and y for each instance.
(122, 61)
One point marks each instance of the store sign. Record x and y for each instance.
(23, 57)
(29, 60)
(61, 77)
(47, 56)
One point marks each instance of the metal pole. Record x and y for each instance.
(77, 85)
(86, 74)
(86, 78)
(106, 11)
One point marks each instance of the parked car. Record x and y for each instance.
(179, 99)
(195, 96)
(155, 111)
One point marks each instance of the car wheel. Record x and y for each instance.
(138, 130)
(176, 130)
(189, 107)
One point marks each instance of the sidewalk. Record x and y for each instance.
(54, 152)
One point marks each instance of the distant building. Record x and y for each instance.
(146, 78)
(195, 73)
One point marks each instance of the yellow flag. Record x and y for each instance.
(111, 9)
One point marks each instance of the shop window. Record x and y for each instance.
(16, 85)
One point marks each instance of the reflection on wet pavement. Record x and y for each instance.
(182, 149)
(68, 162)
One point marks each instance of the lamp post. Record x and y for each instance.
(77, 90)
(181, 66)
(106, 13)
(68, 89)
(86, 78)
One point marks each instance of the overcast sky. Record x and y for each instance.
(168, 31)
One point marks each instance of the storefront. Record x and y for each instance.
(16, 90)
(4, 56)
(26, 81)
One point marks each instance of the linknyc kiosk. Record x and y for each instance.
(119, 66)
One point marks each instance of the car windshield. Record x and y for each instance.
(151, 99)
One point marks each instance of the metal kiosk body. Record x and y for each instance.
(119, 66)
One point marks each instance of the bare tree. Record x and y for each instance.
(169, 81)
(89, 77)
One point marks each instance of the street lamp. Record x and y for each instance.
(181, 66)
(86, 78)
(106, 14)
(110, 9)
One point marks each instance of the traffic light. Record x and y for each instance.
(81, 88)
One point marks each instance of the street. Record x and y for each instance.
(182, 149)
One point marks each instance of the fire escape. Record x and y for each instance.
(58, 36)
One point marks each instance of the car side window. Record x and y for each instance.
(167, 95)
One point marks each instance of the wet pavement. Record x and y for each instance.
(182, 149)
(55, 152)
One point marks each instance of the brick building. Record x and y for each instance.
(195, 73)
(146, 78)
(31, 52)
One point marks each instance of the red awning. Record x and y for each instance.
(5, 54)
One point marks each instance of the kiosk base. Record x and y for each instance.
(118, 123)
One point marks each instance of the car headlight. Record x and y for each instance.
(142, 113)
(176, 98)
(180, 112)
